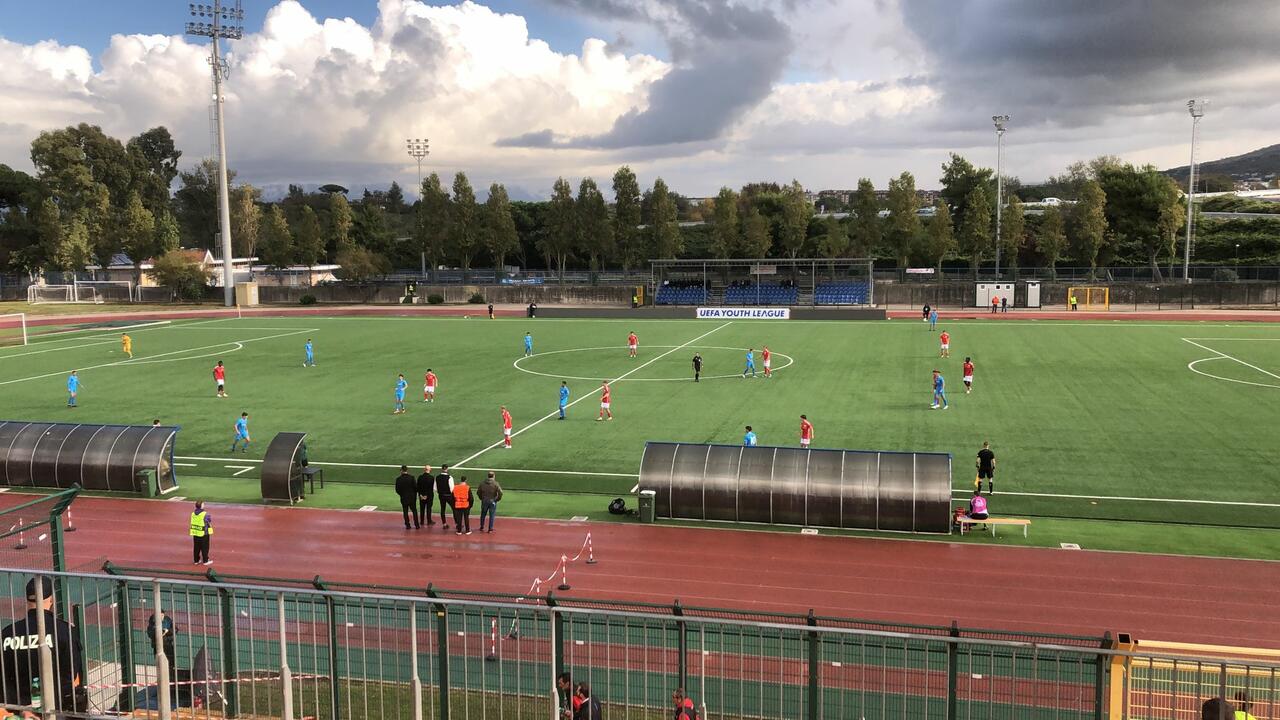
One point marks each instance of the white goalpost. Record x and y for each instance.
(13, 329)
(82, 291)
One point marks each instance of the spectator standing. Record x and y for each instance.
(201, 534)
(587, 707)
(1004, 304)
(425, 487)
(1216, 709)
(490, 311)
(684, 705)
(995, 304)
(986, 464)
(20, 656)
(462, 499)
(407, 489)
(444, 488)
(490, 493)
(568, 699)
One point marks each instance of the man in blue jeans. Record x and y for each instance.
(490, 492)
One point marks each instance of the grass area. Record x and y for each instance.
(44, 309)
(1107, 414)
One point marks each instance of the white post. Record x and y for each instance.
(1196, 108)
(224, 200)
(162, 660)
(416, 683)
(50, 691)
(286, 676)
(1000, 121)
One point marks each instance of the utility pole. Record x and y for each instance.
(1000, 121)
(218, 21)
(418, 150)
(1196, 109)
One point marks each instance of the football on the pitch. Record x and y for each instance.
(466, 317)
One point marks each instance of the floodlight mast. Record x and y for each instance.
(1000, 122)
(218, 21)
(418, 149)
(1196, 109)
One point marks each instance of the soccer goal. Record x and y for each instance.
(82, 291)
(13, 329)
(1090, 298)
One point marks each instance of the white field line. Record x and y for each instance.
(239, 469)
(150, 357)
(1182, 501)
(1219, 353)
(543, 472)
(620, 378)
(110, 339)
(378, 465)
(1231, 338)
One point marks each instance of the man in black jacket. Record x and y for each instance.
(588, 708)
(20, 656)
(426, 490)
(407, 489)
(444, 488)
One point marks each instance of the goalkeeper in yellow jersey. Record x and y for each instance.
(126, 345)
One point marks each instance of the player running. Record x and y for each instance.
(749, 439)
(220, 379)
(968, 376)
(632, 343)
(506, 429)
(528, 344)
(939, 391)
(73, 388)
(310, 360)
(605, 395)
(242, 433)
(806, 431)
(945, 340)
(429, 386)
(401, 384)
(751, 363)
(765, 356)
(126, 345)
(564, 398)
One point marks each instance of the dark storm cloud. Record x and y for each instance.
(726, 58)
(1069, 62)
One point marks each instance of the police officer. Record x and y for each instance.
(20, 657)
(201, 533)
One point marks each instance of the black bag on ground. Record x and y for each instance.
(618, 507)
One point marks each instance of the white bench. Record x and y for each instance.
(994, 521)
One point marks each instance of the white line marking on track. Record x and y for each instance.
(955, 493)
(175, 352)
(618, 379)
(240, 469)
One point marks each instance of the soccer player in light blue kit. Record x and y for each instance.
(564, 397)
(528, 344)
(751, 363)
(73, 388)
(939, 393)
(242, 432)
(311, 355)
(933, 320)
(401, 384)
(749, 440)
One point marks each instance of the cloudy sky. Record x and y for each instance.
(703, 93)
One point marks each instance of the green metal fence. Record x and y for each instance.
(257, 651)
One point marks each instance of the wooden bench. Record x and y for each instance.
(994, 521)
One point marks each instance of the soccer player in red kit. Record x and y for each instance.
(765, 355)
(806, 431)
(945, 338)
(506, 429)
(220, 378)
(605, 395)
(429, 386)
(968, 376)
(632, 343)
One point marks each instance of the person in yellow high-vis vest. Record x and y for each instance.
(201, 531)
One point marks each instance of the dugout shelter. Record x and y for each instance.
(852, 489)
(284, 467)
(118, 458)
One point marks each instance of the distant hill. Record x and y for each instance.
(1262, 162)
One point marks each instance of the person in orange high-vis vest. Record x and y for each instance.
(462, 499)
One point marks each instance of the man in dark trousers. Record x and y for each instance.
(490, 311)
(444, 488)
(697, 366)
(201, 534)
(462, 500)
(20, 656)
(407, 489)
(986, 464)
(426, 487)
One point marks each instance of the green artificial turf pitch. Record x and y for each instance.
(1107, 411)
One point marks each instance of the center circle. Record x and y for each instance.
(789, 362)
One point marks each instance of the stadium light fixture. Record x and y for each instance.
(1001, 121)
(1196, 109)
(418, 149)
(225, 21)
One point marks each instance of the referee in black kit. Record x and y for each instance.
(697, 366)
(20, 657)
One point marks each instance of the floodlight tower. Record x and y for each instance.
(418, 150)
(1196, 109)
(215, 22)
(1000, 121)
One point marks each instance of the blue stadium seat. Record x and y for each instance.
(677, 295)
(763, 294)
(841, 293)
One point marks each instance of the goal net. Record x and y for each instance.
(82, 291)
(13, 329)
(1089, 298)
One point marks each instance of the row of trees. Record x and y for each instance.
(94, 196)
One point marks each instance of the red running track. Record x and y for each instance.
(1157, 597)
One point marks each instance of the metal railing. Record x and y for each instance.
(243, 650)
